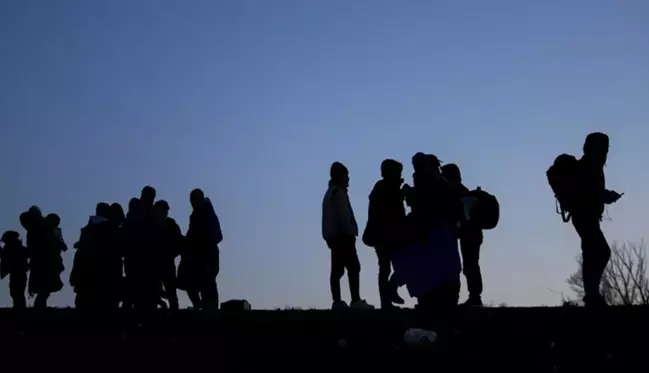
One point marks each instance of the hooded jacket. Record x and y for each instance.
(337, 214)
(386, 215)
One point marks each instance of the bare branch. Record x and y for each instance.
(625, 280)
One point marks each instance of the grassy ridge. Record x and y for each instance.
(541, 339)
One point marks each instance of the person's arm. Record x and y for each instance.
(217, 228)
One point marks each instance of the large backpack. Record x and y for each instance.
(486, 211)
(562, 177)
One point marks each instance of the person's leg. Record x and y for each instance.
(387, 285)
(169, 284)
(384, 276)
(337, 270)
(595, 256)
(41, 300)
(353, 266)
(195, 298)
(17, 285)
(470, 247)
(209, 290)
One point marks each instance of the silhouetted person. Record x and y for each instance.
(118, 218)
(130, 242)
(46, 264)
(385, 227)
(117, 214)
(147, 252)
(173, 242)
(339, 230)
(200, 260)
(97, 270)
(471, 238)
(587, 214)
(14, 263)
(147, 197)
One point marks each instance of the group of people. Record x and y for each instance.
(128, 260)
(121, 260)
(439, 201)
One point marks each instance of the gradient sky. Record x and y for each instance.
(252, 100)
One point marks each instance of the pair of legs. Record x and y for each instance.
(17, 285)
(470, 243)
(595, 253)
(387, 285)
(344, 257)
(169, 284)
(437, 308)
(204, 294)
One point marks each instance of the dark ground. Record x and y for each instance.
(490, 339)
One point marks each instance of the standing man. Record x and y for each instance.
(339, 230)
(587, 214)
(203, 238)
(172, 243)
(470, 241)
(385, 227)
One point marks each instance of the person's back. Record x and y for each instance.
(96, 273)
(386, 213)
(337, 215)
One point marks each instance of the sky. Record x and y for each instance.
(252, 100)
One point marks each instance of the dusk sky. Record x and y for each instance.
(252, 100)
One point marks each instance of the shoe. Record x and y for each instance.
(341, 305)
(361, 305)
(473, 302)
(396, 298)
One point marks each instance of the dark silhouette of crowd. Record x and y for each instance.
(121, 260)
(129, 260)
(439, 201)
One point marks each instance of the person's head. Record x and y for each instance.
(196, 198)
(53, 220)
(103, 210)
(432, 162)
(35, 212)
(11, 237)
(26, 220)
(419, 162)
(148, 195)
(391, 170)
(134, 205)
(339, 174)
(451, 172)
(117, 213)
(596, 147)
(162, 207)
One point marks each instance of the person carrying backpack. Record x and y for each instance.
(471, 237)
(580, 189)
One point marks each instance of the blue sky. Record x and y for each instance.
(252, 100)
